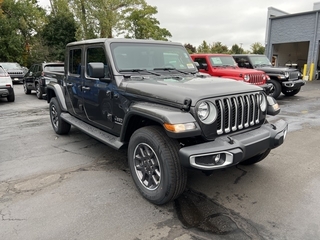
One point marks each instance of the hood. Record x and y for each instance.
(271, 69)
(237, 71)
(176, 90)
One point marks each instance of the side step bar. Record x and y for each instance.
(94, 132)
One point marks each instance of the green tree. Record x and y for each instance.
(190, 48)
(19, 23)
(101, 18)
(218, 47)
(60, 30)
(257, 48)
(203, 47)
(139, 23)
(235, 49)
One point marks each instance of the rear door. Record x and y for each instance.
(74, 81)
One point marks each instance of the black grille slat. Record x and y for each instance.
(293, 75)
(237, 112)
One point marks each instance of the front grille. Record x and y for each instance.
(293, 75)
(257, 79)
(237, 112)
(15, 72)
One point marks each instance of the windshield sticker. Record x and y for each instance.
(216, 61)
(190, 65)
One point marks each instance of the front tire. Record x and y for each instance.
(275, 88)
(257, 158)
(154, 164)
(59, 125)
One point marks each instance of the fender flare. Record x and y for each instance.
(56, 90)
(161, 114)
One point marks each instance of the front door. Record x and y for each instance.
(98, 95)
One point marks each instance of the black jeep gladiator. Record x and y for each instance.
(147, 96)
(39, 75)
(282, 79)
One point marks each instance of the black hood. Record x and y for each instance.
(195, 88)
(271, 69)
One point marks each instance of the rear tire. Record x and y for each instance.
(11, 97)
(154, 164)
(59, 125)
(257, 158)
(39, 92)
(25, 88)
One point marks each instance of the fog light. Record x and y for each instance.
(218, 159)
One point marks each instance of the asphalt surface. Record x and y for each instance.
(73, 187)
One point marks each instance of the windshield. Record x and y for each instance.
(260, 60)
(11, 65)
(222, 61)
(151, 56)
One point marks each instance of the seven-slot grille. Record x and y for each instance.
(293, 75)
(238, 112)
(257, 79)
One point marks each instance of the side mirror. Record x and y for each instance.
(196, 64)
(97, 70)
(272, 106)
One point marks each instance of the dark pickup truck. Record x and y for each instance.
(148, 97)
(282, 79)
(39, 75)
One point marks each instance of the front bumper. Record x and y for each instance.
(234, 148)
(295, 84)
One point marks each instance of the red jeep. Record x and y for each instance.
(223, 65)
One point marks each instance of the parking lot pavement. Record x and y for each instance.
(73, 187)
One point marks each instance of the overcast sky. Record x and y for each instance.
(226, 21)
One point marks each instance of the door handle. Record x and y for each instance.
(85, 88)
(69, 84)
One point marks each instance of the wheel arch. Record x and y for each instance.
(145, 114)
(55, 90)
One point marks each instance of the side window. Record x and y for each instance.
(201, 61)
(243, 62)
(32, 68)
(75, 61)
(97, 54)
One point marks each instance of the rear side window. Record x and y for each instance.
(75, 61)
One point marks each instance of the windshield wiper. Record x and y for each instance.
(169, 69)
(139, 70)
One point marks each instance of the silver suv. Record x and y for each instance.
(14, 69)
(6, 86)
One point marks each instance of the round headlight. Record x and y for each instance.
(203, 111)
(263, 102)
(207, 112)
(286, 74)
(246, 78)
